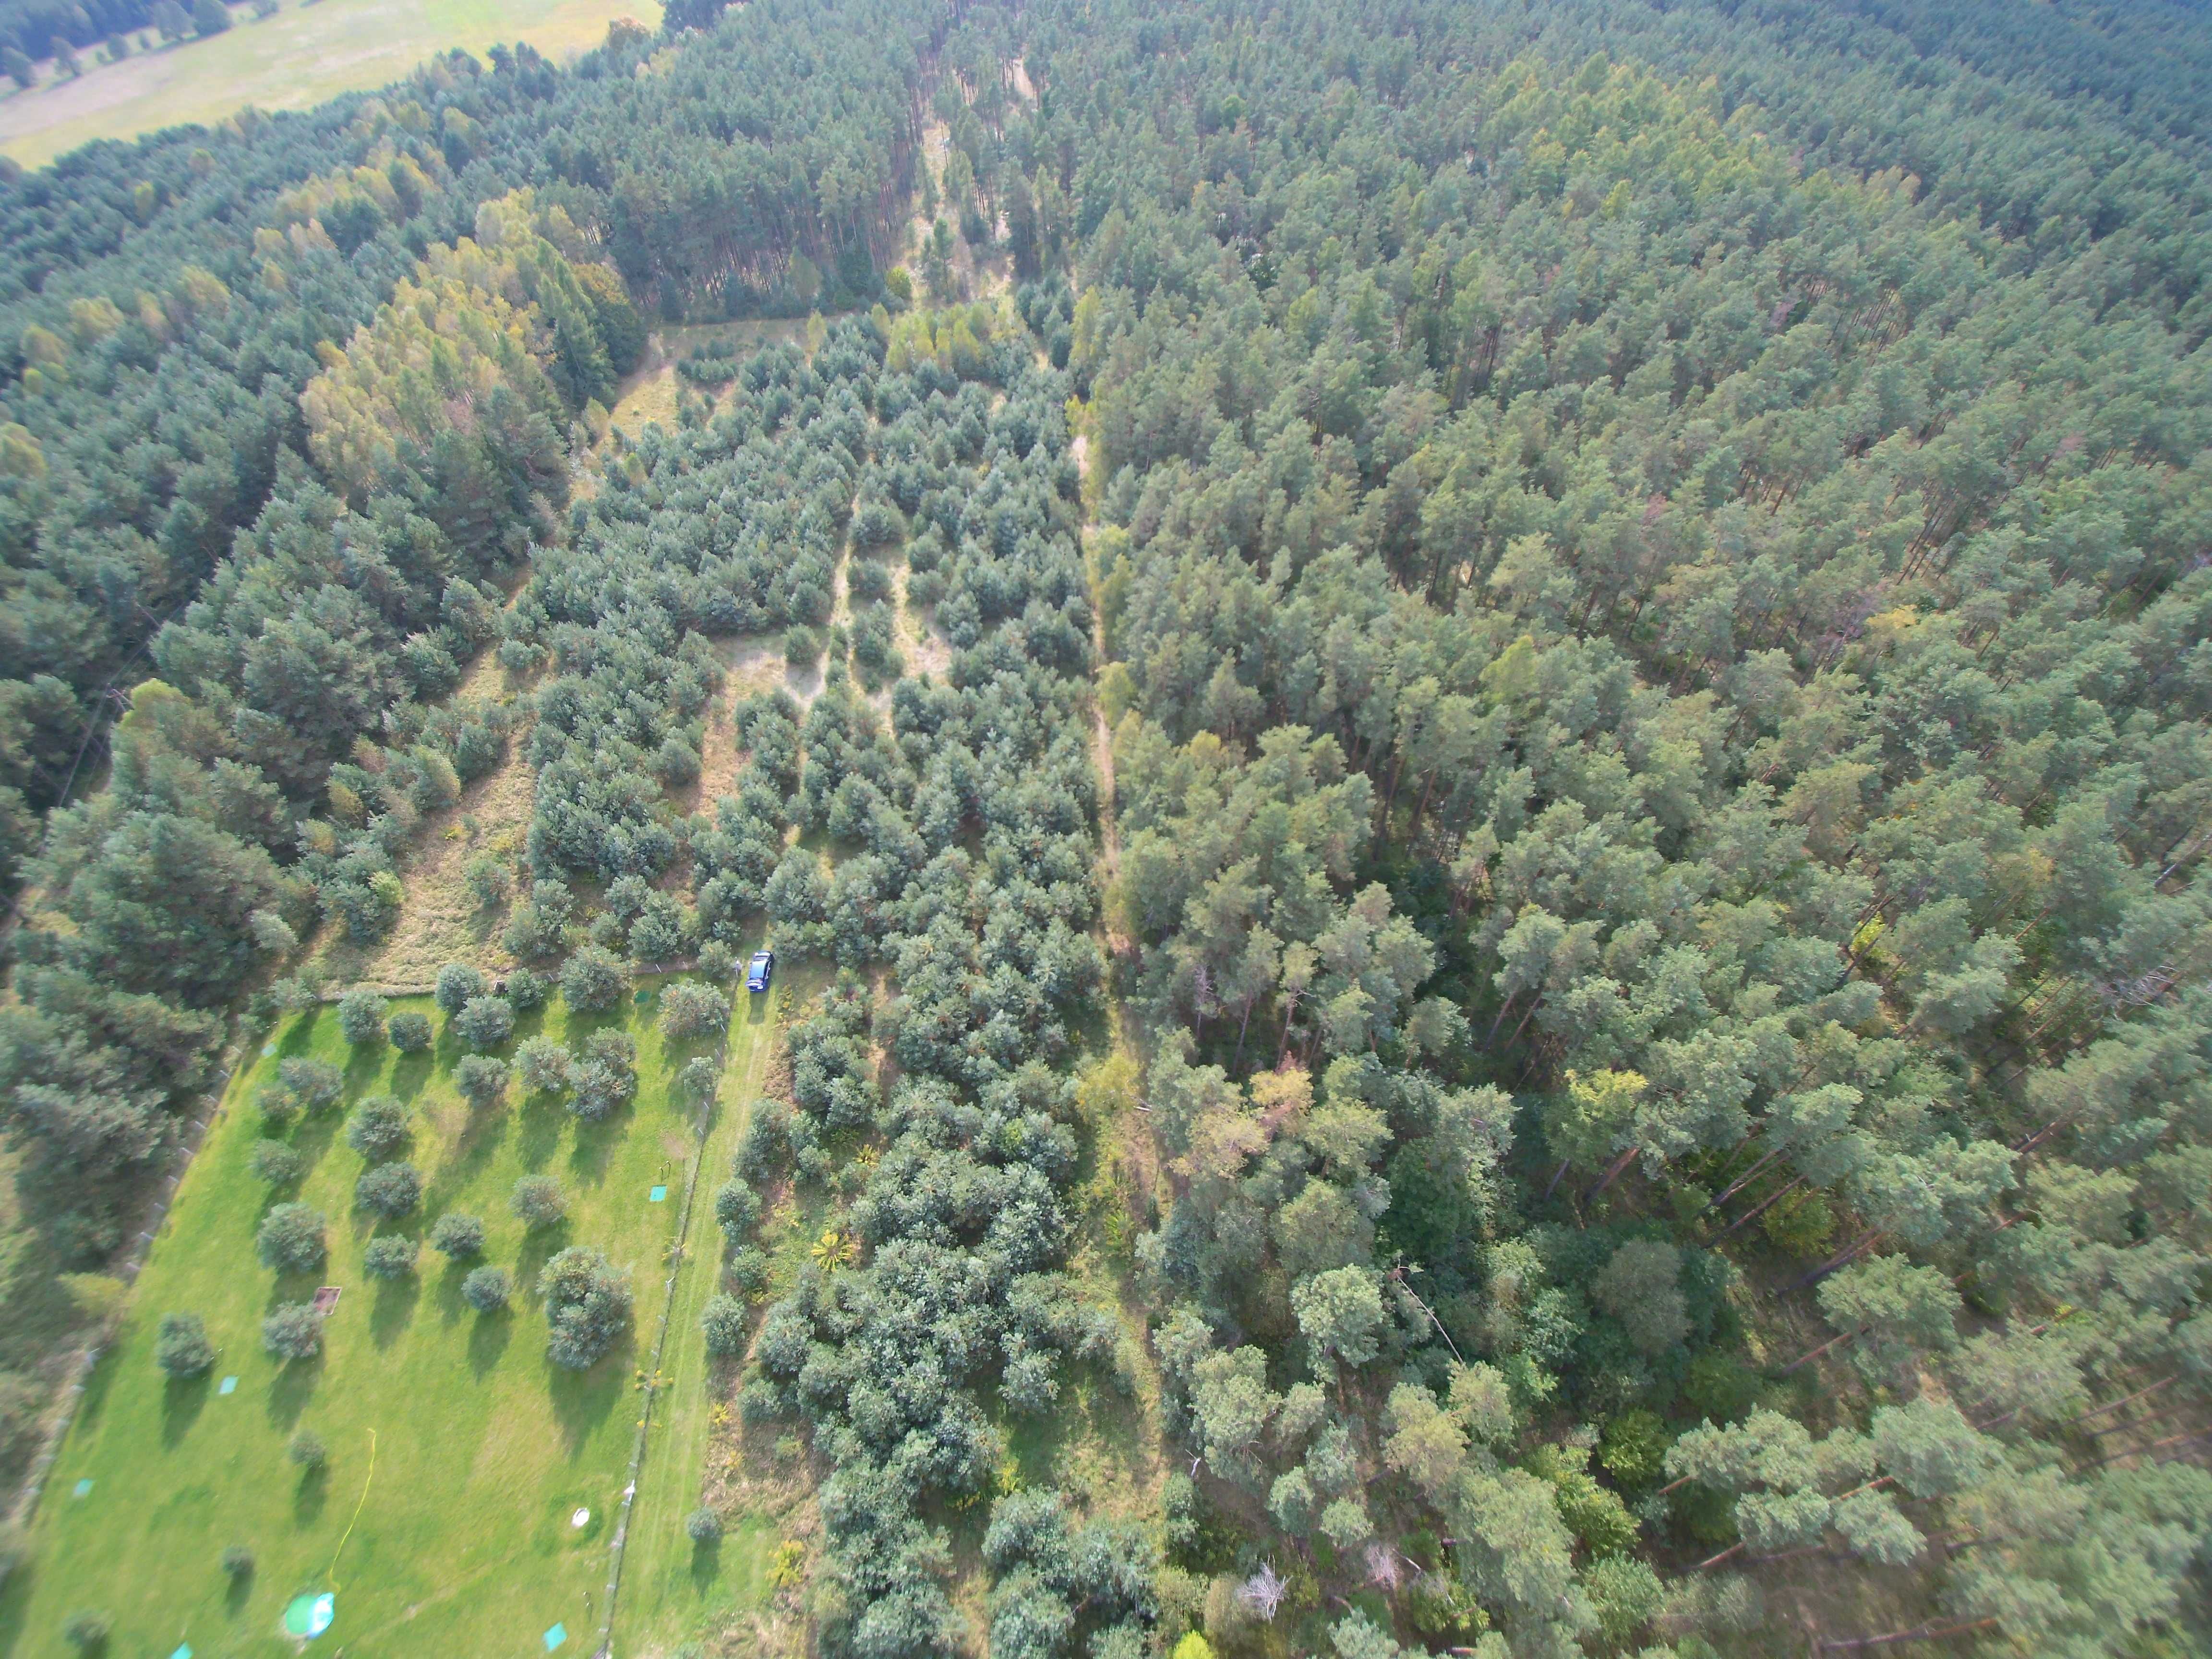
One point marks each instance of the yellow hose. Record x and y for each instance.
(356, 1512)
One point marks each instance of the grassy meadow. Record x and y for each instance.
(295, 59)
(458, 1539)
(671, 1588)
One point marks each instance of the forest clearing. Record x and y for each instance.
(455, 1455)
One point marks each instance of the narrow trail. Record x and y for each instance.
(1132, 1132)
(1102, 737)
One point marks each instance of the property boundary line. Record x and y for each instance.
(616, 1550)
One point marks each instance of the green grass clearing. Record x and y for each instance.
(461, 1541)
(670, 1586)
(299, 58)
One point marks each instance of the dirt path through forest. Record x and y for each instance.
(1102, 737)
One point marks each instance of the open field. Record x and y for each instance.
(299, 57)
(670, 1587)
(458, 1539)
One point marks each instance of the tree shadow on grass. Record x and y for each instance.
(363, 1062)
(539, 1246)
(477, 1144)
(410, 1072)
(596, 1143)
(706, 1563)
(393, 1309)
(183, 1398)
(311, 1494)
(298, 1038)
(22, 1584)
(583, 1400)
(543, 1120)
(95, 1397)
(489, 1340)
(292, 1388)
(312, 1136)
(450, 1304)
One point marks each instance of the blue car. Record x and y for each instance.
(763, 964)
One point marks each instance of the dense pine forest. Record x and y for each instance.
(1493, 721)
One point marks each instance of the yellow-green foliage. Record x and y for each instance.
(506, 309)
(1616, 125)
(442, 344)
(955, 339)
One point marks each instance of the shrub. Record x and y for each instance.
(530, 934)
(314, 1085)
(277, 1163)
(485, 1023)
(537, 1201)
(1800, 1225)
(689, 1009)
(389, 1190)
(717, 962)
(724, 1323)
(543, 1065)
(295, 1331)
(737, 1209)
(389, 1258)
(592, 980)
(279, 1111)
(457, 1236)
(237, 1561)
(481, 1079)
(486, 1289)
(1634, 1448)
(866, 580)
(410, 1032)
(748, 1270)
(603, 1078)
(1720, 1386)
(458, 985)
(664, 929)
(182, 1349)
(307, 1450)
(1641, 1286)
(489, 881)
(361, 1016)
(703, 1526)
(588, 1306)
(528, 991)
(86, 1631)
(290, 1239)
(378, 1127)
(698, 1081)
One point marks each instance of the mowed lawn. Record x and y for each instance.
(458, 1539)
(299, 57)
(672, 1587)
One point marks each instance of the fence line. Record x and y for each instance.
(616, 1550)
